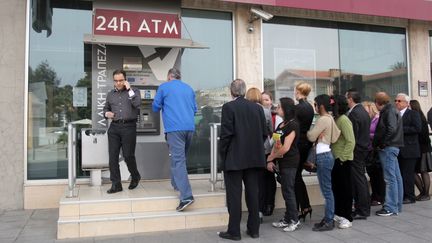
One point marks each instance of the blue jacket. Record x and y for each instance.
(176, 99)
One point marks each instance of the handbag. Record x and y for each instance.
(310, 164)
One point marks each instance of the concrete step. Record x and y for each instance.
(73, 208)
(129, 223)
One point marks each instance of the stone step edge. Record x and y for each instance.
(130, 216)
(111, 200)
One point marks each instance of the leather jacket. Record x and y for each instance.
(389, 131)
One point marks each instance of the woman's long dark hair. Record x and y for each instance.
(288, 108)
(415, 105)
(340, 105)
(323, 100)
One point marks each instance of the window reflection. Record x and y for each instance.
(58, 67)
(333, 57)
(209, 72)
(299, 54)
(372, 62)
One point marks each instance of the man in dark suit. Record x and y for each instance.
(243, 132)
(410, 152)
(361, 125)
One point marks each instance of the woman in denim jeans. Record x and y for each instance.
(324, 133)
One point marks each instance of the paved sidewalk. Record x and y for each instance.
(414, 224)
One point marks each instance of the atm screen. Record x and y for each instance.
(148, 94)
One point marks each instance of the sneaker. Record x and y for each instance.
(337, 219)
(184, 203)
(292, 226)
(281, 224)
(384, 212)
(323, 226)
(344, 223)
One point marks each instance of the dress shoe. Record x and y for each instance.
(407, 201)
(228, 236)
(115, 188)
(134, 183)
(424, 198)
(323, 226)
(252, 235)
(268, 210)
(357, 216)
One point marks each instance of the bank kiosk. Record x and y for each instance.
(146, 45)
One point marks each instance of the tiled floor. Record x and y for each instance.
(144, 189)
(413, 225)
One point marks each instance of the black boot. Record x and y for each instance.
(115, 187)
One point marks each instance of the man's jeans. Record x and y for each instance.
(392, 178)
(325, 162)
(178, 144)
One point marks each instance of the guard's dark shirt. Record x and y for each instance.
(124, 106)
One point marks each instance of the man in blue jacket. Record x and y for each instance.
(176, 99)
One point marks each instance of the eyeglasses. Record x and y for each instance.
(118, 81)
(399, 101)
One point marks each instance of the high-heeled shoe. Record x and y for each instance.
(304, 213)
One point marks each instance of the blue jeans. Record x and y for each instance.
(178, 144)
(393, 179)
(325, 162)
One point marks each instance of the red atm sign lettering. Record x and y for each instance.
(138, 24)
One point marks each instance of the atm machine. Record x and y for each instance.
(151, 151)
(148, 122)
(146, 58)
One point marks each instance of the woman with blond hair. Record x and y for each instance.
(254, 95)
(373, 165)
(305, 114)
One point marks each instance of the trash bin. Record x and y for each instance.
(94, 150)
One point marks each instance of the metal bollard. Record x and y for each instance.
(213, 155)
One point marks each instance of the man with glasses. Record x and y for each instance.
(410, 152)
(121, 106)
(388, 139)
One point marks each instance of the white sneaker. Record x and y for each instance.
(292, 226)
(281, 224)
(344, 223)
(337, 218)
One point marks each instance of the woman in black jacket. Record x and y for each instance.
(424, 163)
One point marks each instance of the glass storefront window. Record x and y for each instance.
(333, 57)
(58, 67)
(299, 53)
(373, 61)
(209, 72)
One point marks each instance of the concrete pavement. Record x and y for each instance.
(414, 224)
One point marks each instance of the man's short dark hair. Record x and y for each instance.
(119, 71)
(174, 73)
(354, 95)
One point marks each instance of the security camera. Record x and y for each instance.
(261, 14)
(250, 28)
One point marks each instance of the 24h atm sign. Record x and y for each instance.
(138, 24)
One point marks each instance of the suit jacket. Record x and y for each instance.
(242, 136)
(411, 128)
(361, 124)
